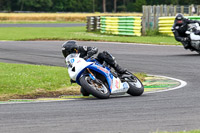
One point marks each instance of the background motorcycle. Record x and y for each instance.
(194, 39)
(98, 80)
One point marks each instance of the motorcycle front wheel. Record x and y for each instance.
(84, 92)
(198, 52)
(99, 90)
(136, 87)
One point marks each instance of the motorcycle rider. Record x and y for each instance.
(86, 52)
(180, 27)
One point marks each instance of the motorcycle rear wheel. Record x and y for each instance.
(98, 90)
(136, 87)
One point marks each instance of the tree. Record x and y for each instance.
(87, 5)
(115, 5)
(130, 7)
(138, 5)
(35, 5)
(93, 5)
(5, 5)
(104, 6)
(21, 4)
(58, 5)
(175, 2)
(122, 5)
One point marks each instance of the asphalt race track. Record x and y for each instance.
(165, 111)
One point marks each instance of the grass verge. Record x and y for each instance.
(76, 33)
(39, 22)
(33, 81)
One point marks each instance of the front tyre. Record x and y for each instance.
(84, 92)
(136, 87)
(96, 89)
(198, 52)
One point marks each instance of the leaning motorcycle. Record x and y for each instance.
(194, 39)
(100, 80)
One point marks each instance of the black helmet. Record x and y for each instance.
(179, 19)
(69, 47)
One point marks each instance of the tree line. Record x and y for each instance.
(85, 5)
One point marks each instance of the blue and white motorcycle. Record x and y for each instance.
(100, 80)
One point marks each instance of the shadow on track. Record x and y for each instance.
(116, 97)
(187, 55)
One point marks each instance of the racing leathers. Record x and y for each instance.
(180, 29)
(87, 52)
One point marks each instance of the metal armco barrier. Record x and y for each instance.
(121, 25)
(165, 24)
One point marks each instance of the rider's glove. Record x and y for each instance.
(72, 81)
(186, 39)
(86, 57)
(197, 32)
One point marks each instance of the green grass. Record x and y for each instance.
(32, 80)
(76, 33)
(39, 22)
(26, 77)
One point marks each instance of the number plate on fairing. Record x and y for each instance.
(118, 86)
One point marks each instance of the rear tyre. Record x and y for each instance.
(136, 87)
(100, 91)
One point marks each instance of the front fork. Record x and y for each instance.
(93, 77)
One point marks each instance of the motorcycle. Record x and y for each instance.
(194, 39)
(100, 80)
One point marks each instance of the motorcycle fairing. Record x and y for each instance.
(115, 84)
(194, 37)
(75, 68)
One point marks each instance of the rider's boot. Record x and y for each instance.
(185, 45)
(197, 32)
(119, 69)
